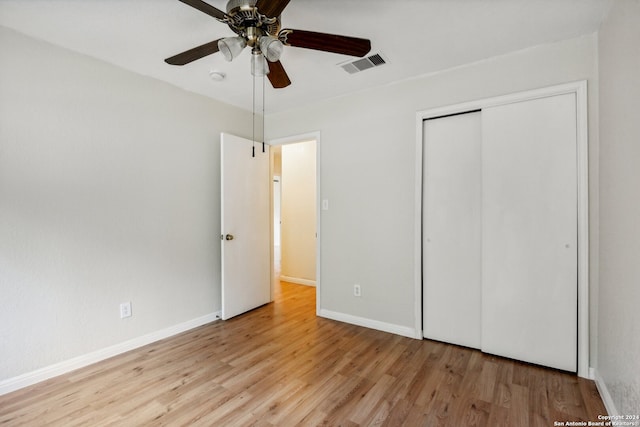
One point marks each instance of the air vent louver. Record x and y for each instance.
(362, 64)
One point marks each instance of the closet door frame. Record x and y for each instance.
(579, 88)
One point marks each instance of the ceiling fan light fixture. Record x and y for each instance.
(271, 47)
(259, 66)
(231, 47)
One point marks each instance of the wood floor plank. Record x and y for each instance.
(591, 397)
(539, 414)
(365, 407)
(280, 365)
(470, 412)
(486, 381)
(398, 413)
(308, 401)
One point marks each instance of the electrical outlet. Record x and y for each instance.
(357, 292)
(125, 310)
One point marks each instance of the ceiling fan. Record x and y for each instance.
(257, 25)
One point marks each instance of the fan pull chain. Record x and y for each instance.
(263, 114)
(253, 119)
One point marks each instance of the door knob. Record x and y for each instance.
(229, 237)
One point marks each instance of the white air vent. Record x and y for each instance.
(362, 64)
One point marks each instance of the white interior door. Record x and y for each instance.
(529, 274)
(245, 203)
(452, 185)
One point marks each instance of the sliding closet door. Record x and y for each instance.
(529, 227)
(451, 229)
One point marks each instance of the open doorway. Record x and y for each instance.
(295, 211)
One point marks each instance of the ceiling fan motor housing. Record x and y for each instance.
(243, 15)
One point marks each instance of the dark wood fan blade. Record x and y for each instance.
(277, 75)
(206, 8)
(271, 8)
(326, 42)
(193, 54)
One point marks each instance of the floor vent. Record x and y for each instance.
(362, 64)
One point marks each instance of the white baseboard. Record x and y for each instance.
(42, 374)
(604, 393)
(405, 331)
(298, 280)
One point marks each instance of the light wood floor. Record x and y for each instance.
(280, 365)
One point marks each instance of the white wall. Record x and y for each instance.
(109, 192)
(368, 170)
(298, 231)
(619, 302)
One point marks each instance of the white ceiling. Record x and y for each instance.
(416, 37)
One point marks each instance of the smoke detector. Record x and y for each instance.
(217, 76)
